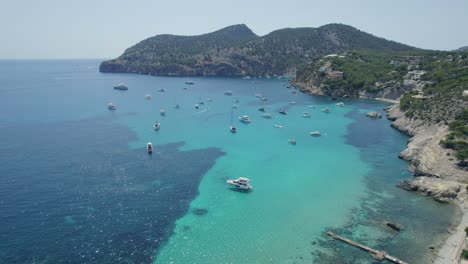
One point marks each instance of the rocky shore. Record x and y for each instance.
(436, 175)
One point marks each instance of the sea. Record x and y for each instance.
(78, 186)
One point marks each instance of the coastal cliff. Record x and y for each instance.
(424, 151)
(437, 174)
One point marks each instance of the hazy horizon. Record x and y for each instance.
(53, 29)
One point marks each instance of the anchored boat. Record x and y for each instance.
(244, 119)
(111, 106)
(149, 148)
(241, 183)
(315, 133)
(157, 125)
(121, 87)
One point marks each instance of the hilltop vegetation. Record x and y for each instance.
(354, 72)
(237, 51)
(443, 100)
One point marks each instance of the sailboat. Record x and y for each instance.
(231, 127)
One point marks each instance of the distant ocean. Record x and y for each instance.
(77, 185)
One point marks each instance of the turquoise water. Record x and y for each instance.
(78, 173)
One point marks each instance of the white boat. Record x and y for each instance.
(189, 82)
(267, 116)
(279, 126)
(209, 100)
(111, 106)
(244, 119)
(148, 97)
(311, 106)
(176, 106)
(263, 99)
(121, 86)
(292, 141)
(236, 100)
(232, 129)
(162, 90)
(197, 106)
(315, 133)
(326, 110)
(157, 125)
(306, 115)
(162, 112)
(234, 106)
(259, 95)
(261, 109)
(283, 112)
(292, 102)
(228, 92)
(149, 147)
(340, 104)
(241, 183)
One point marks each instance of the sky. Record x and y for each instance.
(61, 29)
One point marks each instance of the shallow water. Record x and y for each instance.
(78, 186)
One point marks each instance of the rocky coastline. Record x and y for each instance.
(436, 175)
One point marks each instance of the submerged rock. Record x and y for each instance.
(393, 226)
(374, 114)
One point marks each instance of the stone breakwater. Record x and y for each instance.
(436, 175)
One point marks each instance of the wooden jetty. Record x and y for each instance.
(377, 254)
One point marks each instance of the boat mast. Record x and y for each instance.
(232, 111)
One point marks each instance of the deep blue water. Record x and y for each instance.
(72, 192)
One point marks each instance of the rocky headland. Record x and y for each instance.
(437, 174)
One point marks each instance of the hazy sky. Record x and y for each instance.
(105, 28)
